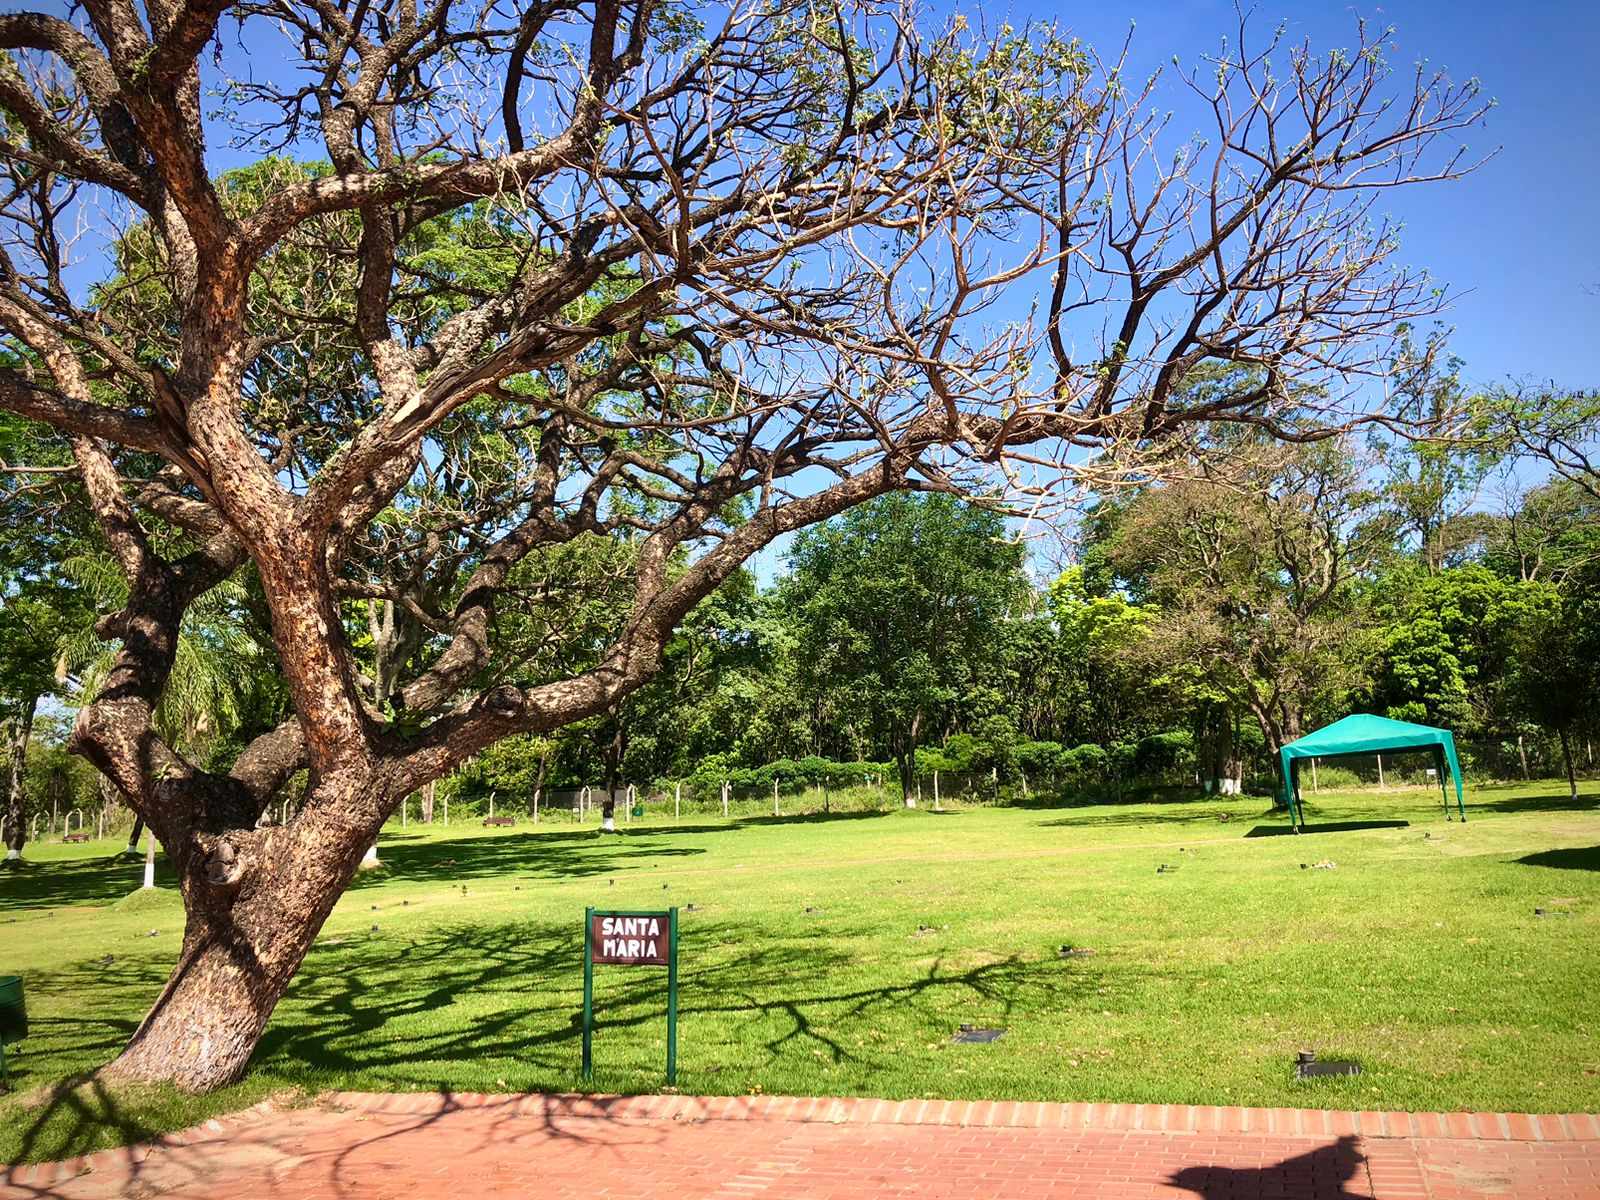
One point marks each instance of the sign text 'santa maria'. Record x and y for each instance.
(635, 940)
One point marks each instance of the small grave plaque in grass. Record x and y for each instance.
(973, 1034)
(1307, 1067)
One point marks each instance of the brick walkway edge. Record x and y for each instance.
(1001, 1114)
(360, 1145)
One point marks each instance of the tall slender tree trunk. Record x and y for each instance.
(908, 762)
(1276, 735)
(538, 784)
(1566, 753)
(616, 748)
(18, 729)
(246, 934)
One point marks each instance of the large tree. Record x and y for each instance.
(1557, 667)
(631, 269)
(1255, 570)
(1450, 643)
(901, 604)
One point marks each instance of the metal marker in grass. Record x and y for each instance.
(1307, 1067)
(975, 1035)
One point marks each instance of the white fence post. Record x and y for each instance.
(677, 799)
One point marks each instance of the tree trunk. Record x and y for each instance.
(1219, 739)
(133, 838)
(19, 728)
(252, 914)
(908, 762)
(1230, 774)
(538, 784)
(615, 750)
(1275, 736)
(1566, 753)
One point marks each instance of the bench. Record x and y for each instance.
(76, 837)
(499, 820)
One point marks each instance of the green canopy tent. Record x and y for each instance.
(1363, 733)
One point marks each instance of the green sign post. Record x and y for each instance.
(631, 939)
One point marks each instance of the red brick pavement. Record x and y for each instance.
(361, 1147)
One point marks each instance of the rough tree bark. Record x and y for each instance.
(1566, 754)
(19, 728)
(246, 933)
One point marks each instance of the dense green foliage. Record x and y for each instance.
(1208, 619)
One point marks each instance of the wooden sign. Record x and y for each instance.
(631, 939)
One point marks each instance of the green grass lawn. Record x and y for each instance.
(838, 955)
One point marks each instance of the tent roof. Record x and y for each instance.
(1364, 733)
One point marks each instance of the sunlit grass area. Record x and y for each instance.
(838, 954)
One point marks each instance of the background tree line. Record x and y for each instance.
(1207, 618)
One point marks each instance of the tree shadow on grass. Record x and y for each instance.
(1583, 802)
(566, 855)
(494, 1007)
(1088, 819)
(1321, 1173)
(1574, 858)
(821, 818)
(1161, 795)
(1261, 831)
(365, 1003)
(75, 1115)
(58, 882)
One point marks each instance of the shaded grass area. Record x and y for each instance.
(837, 955)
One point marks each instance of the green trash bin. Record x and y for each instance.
(13, 1017)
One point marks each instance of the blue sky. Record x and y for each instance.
(1518, 237)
